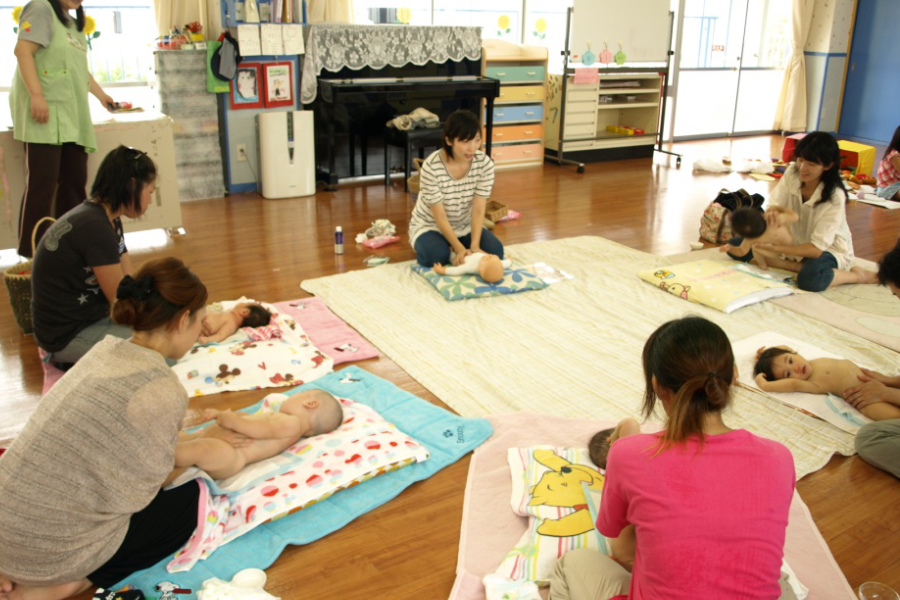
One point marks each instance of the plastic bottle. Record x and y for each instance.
(338, 240)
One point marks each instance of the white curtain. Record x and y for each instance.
(176, 13)
(330, 11)
(791, 113)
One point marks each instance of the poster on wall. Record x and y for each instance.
(246, 89)
(279, 84)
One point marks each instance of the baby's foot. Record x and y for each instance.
(865, 275)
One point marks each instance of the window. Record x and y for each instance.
(498, 19)
(392, 12)
(545, 25)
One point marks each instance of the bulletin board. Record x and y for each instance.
(642, 27)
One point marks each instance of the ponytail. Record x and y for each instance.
(693, 358)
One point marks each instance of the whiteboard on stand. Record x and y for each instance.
(642, 27)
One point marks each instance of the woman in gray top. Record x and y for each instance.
(80, 499)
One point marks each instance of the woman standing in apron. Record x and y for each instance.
(49, 106)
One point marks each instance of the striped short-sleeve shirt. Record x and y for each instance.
(437, 186)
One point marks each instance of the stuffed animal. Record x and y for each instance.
(561, 486)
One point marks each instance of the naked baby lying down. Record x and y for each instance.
(780, 369)
(267, 434)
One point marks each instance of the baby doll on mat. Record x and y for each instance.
(262, 434)
(780, 369)
(218, 326)
(488, 266)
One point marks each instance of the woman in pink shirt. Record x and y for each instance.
(709, 504)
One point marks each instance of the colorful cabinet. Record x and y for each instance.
(518, 134)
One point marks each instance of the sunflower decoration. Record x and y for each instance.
(540, 29)
(404, 15)
(24, 25)
(503, 24)
(90, 30)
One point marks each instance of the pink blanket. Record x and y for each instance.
(327, 331)
(490, 528)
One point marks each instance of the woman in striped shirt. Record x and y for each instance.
(455, 186)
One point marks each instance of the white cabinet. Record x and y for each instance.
(620, 110)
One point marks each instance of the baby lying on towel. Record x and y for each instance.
(306, 414)
(488, 266)
(218, 326)
(780, 369)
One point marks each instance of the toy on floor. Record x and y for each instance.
(245, 585)
(488, 266)
(381, 233)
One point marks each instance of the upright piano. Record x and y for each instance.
(358, 104)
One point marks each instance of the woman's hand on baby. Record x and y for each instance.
(229, 436)
(869, 375)
(864, 394)
(460, 256)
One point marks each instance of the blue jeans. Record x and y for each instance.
(432, 247)
(87, 338)
(815, 275)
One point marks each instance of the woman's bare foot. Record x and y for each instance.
(865, 275)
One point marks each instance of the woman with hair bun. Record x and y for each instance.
(80, 499)
(82, 258)
(708, 504)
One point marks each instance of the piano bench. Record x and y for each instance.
(414, 139)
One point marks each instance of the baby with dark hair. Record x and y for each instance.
(222, 325)
(751, 226)
(781, 369)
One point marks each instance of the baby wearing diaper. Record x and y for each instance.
(488, 266)
(262, 435)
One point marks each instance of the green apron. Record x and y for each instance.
(63, 73)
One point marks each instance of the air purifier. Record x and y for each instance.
(287, 161)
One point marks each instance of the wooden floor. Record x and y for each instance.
(408, 548)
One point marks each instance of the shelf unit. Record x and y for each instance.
(518, 131)
(586, 118)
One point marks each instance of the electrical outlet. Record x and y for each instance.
(242, 152)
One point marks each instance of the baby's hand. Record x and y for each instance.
(761, 381)
(726, 248)
(205, 329)
(211, 414)
(759, 352)
(439, 269)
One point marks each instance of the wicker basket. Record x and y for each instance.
(18, 284)
(495, 211)
(415, 181)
